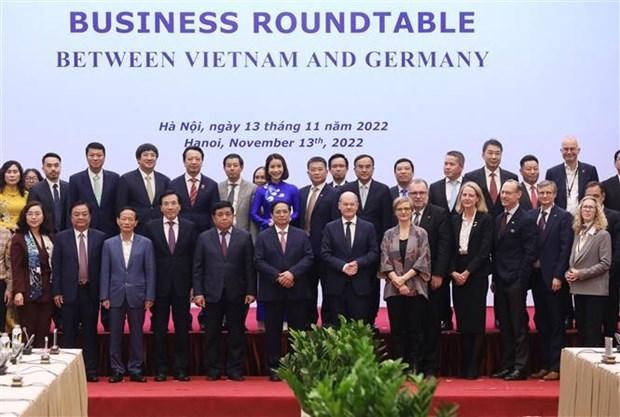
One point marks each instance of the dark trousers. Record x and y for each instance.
(511, 312)
(235, 322)
(445, 309)
(610, 319)
(472, 345)
(373, 300)
(274, 318)
(37, 318)
(432, 331)
(161, 314)
(589, 318)
(84, 310)
(406, 316)
(313, 315)
(2, 306)
(135, 317)
(350, 305)
(549, 318)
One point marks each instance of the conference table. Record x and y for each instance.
(55, 389)
(588, 387)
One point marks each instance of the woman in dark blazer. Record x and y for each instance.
(406, 267)
(31, 254)
(588, 273)
(473, 235)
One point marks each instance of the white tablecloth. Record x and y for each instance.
(588, 387)
(57, 389)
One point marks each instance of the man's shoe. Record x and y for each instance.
(213, 377)
(236, 377)
(497, 324)
(137, 378)
(502, 374)
(160, 377)
(274, 378)
(446, 325)
(568, 324)
(516, 375)
(114, 378)
(540, 374)
(552, 376)
(181, 376)
(92, 378)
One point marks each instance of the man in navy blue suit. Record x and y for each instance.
(571, 176)
(318, 207)
(52, 192)
(338, 167)
(127, 289)
(553, 251)
(173, 241)
(76, 263)
(403, 172)
(283, 261)
(97, 187)
(350, 254)
(513, 258)
(142, 188)
(198, 192)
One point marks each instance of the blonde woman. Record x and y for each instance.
(588, 273)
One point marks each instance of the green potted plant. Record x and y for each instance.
(339, 372)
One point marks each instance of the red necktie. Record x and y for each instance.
(533, 197)
(493, 188)
(224, 244)
(283, 241)
(193, 192)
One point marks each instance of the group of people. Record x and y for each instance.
(141, 242)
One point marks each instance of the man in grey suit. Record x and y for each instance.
(238, 191)
(127, 289)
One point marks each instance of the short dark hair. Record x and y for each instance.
(193, 148)
(279, 157)
(166, 193)
(398, 161)
(273, 206)
(21, 184)
(46, 226)
(364, 155)
(492, 142)
(50, 155)
(616, 155)
(122, 209)
(222, 205)
(315, 159)
(145, 147)
(80, 203)
(598, 184)
(233, 156)
(459, 157)
(94, 145)
(527, 158)
(336, 156)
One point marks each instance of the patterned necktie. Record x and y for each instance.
(193, 192)
(82, 261)
(224, 244)
(171, 238)
(493, 188)
(416, 218)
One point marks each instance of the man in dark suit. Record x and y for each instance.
(318, 207)
(552, 254)
(435, 221)
(338, 168)
(97, 187)
(571, 176)
(375, 206)
(513, 257)
(529, 172)
(127, 288)
(52, 192)
(142, 188)
(173, 241)
(76, 262)
(612, 186)
(225, 280)
(403, 172)
(198, 192)
(443, 193)
(350, 253)
(238, 191)
(491, 177)
(610, 315)
(283, 261)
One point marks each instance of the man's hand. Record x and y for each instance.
(199, 300)
(59, 300)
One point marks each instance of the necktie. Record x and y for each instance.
(283, 240)
(453, 194)
(149, 188)
(172, 242)
(493, 188)
(57, 207)
(193, 191)
(311, 203)
(97, 188)
(416, 218)
(503, 223)
(533, 197)
(363, 194)
(224, 244)
(231, 194)
(82, 261)
(542, 222)
(403, 192)
(347, 235)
